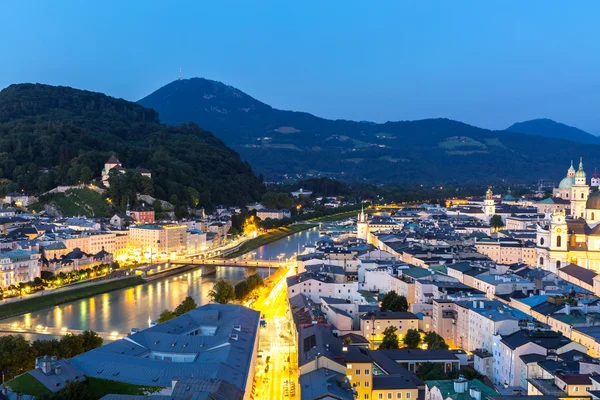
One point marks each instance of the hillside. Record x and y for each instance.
(53, 136)
(552, 129)
(283, 144)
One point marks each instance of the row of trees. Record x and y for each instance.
(17, 355)
(188, 304)
(247, 286)
(412, 340)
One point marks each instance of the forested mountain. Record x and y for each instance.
(51, 135)
(283, 144)
(552, 129)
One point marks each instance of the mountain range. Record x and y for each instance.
(287, 144)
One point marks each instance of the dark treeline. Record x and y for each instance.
(53, 136)
(17, 355)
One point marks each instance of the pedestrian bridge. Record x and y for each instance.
(49, 330)
(221, 262)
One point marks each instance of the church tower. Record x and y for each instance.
(579, 193)
(489, 207)
(559, 237)
(362, 226)
(595, 182)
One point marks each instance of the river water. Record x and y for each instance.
(134, 307)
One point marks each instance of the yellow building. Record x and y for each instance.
(384, 380)
(373, 324)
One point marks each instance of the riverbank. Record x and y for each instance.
(37, 303)
(335, 217)
(269, 237)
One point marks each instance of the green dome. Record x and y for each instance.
(566, 183)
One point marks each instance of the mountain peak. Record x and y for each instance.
(549, 128)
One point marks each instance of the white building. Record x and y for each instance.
(273, 214)
(18, 266)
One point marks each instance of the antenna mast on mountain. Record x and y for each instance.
(180, 74)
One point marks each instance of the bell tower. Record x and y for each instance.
(579, 193)
(362, 226)
(489, 207)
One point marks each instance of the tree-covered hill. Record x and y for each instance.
(52, 135)
(281, 143)
(549, 128)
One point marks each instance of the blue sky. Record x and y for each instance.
(488, 63)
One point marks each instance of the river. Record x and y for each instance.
(134, 307)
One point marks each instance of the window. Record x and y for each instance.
(541, 261)
(389, 395)
(398, 395)
(366, 395)
(358, 372)
(593, 216)
(576, 389)
(542, 239)
(380, 396)
(366, 384)
(558, 241)
(557, 264)
(366, 372)
(408, 395)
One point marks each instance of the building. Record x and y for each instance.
(19, 199)
(114, 164)
(489, 205)
(143, 214)
(460, 388)
(215, 341)
(272, 214)
(373, 324)
(374, 375)
(18, 266)
(362, 226)
(158, 239)
(508, 251)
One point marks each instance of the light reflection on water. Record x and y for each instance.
(133, 307)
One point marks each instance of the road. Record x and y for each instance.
(275, 380)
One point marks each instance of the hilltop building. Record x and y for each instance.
(114, 163)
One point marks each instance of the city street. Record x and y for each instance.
(275, 379)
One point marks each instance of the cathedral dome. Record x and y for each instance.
(593, 202)
(566, 183)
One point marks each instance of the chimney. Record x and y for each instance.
(481, 304)
(58, 369)
(567, 308)
(475, 393)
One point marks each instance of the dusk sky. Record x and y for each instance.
(487, 63)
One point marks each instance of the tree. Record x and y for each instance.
(496, 222)
(241, 290)
(188, 304)
(435, 341)
(387, 300)
(222, 292)
(390, 339)
(393, 302)
(412, 339)
(431, 371)
(70, 346)
(399, 304)
(16, 356)
(165, 316)
(157, 205)
(91, 340)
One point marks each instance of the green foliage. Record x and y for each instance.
(277, 200)
(496, 221)
(27, 384)
(392, 301)
(73, 132)
(188, 304)
(412, 339)
(72, 391)
(431, 371)
(102, 387)
(390, 339)
(165, 316)
(73, 202)
(245, 287)
(17, 355)
(435, 341)
(222, 292)
(124, 187)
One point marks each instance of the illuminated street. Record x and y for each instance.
(275, 380)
